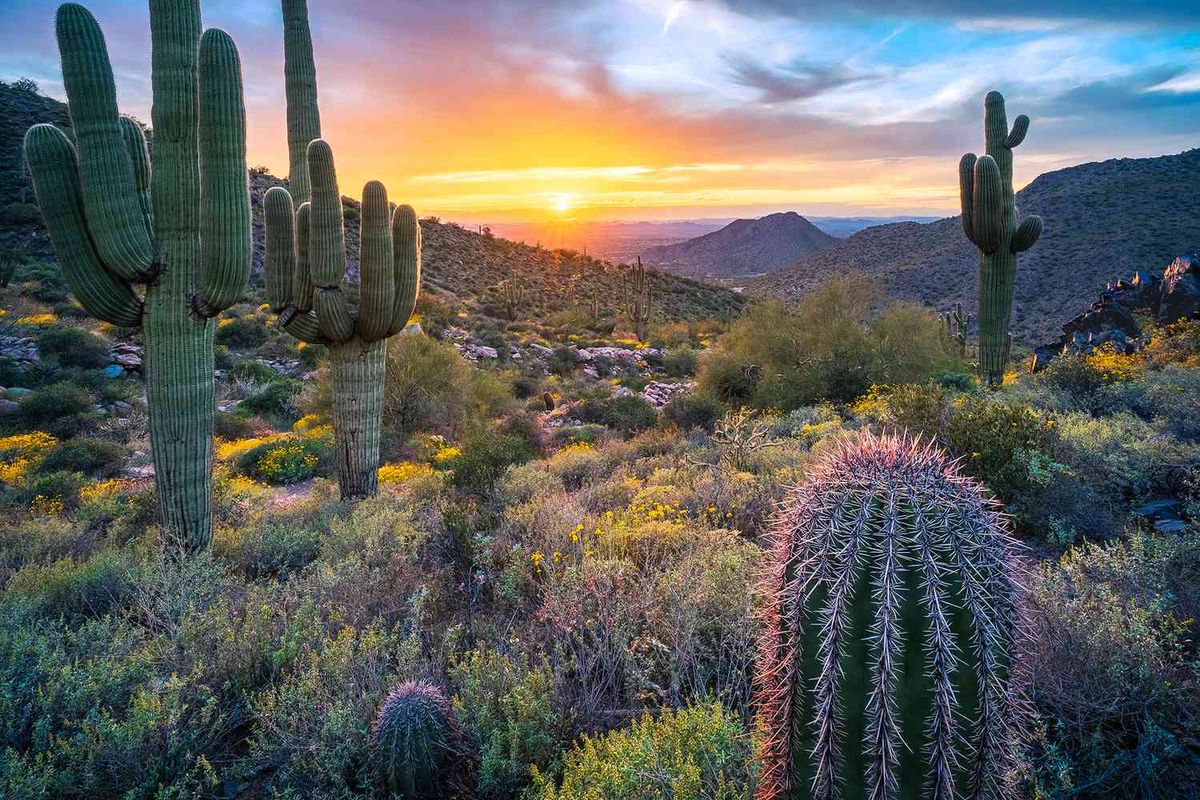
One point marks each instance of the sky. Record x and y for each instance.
(511, 110)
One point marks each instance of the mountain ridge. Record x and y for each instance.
(1103, 220)
(743, 247)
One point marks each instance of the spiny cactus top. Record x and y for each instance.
(418, 748)
(886, 668)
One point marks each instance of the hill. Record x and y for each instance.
(743, 247)
(466, 263)
(1103, 221)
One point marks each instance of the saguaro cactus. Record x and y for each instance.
(991, 221)
(418, 749)
(957, 322)
(177, 222)
(887, 669)
(638, 298)
(512, 293)
(306, 264)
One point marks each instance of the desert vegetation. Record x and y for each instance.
(338, 527)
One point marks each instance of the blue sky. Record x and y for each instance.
(666, 108)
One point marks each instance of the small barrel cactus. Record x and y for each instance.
(893, 614)
(418, 749)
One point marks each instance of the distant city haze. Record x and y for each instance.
(561, 112)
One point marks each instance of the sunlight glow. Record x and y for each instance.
(562, 202)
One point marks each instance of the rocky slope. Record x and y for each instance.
(743, 247)
(1104, 220)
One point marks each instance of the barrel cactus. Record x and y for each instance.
(417, 747)
(177, 222)
(991, 221)
(306, 270)
(888, 664)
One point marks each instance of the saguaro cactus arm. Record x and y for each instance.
(300, 78)
(107, 184)
(377, 296)
(55, 171)
(224, 190)
(287, 265)
(406, 239)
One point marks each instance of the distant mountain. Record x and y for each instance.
(842, 227)
(743, 247)
(1104, 220)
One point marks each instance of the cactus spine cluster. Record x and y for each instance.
(306, 268)
(893, 613)
(638, 299)
(177, 222)
(418, 749)
(991, 221)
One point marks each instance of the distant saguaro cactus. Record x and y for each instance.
(512, 293)
(957, 322)
(888, 664)
(306, 268)
(417, 747)
(638, 299)
(177, 222)
(991, 221)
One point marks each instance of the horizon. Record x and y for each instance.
(512, 113)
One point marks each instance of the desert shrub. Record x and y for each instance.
(436, 316)
(47, 282)
(278, 547)
(1111, 674)
(277, 398)
(578, 464)
(1125, 457)
(312, 729)
(231, 425)
(72, 348)
(49, 492)
(253, 371)
(681, 362)
(98, 458)
(484, 456)
(908, 346)
(562, 362)
(1172, 397)
(431, 387)
(20, 213)
(241, 333)
(693, 753)
(310, 355)
(692, 410)
(284, 461)
(62, 409)
(65, 588)
(505, 704)
(627, 414)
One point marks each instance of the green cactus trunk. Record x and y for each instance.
(991, 221)
(181, 228)
(357, 369)
(892, 619)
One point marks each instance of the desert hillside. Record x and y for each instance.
(1103, 220)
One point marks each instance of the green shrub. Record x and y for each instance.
(277, 399)
(278, 548)
(284, 462)
(484, 456)
(49, 486)
(628, 414)
(681, 362)
(431, 387)
(231, 425)
(693, 410)
(505, 705)
(65, 588)
(239, 333)
(62, 409)
(697, 752)
(72, 348)
(47, 282)
(253, 372)
(98, 458)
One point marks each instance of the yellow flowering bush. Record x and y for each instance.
(231, 451)
(403, 472)
(20, 453)
(1113, 365)
(38, 319)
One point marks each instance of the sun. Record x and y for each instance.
(562, 202)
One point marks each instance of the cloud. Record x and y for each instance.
(1160, 12)
(797, 81)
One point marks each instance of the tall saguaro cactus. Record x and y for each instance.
(638, 298)
(886, 668)
(176, 221)
(991, 221)
(306, 264)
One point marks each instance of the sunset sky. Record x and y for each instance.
(662, 109)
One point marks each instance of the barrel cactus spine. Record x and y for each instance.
(890, 660)
(991, 221)
(417, 747)
(177, 222)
